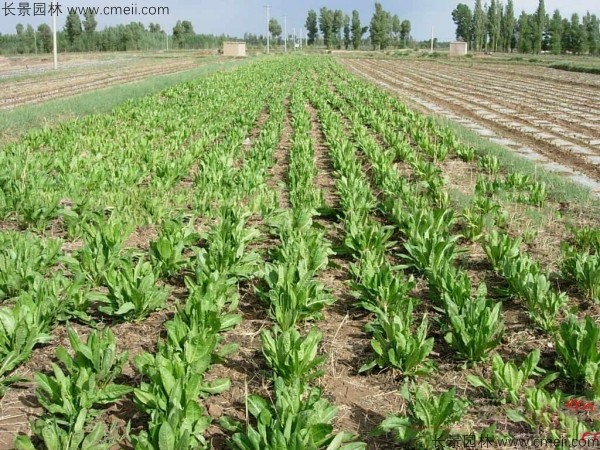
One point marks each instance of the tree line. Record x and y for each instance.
(495, 28)
(82, 35)
(339, 29)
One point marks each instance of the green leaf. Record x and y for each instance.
(166, 437)
(515, 416)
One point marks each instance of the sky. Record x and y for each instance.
(234, 17)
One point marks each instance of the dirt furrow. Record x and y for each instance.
(278, 174)
(525, 103)
(52, 92)
(463, 109)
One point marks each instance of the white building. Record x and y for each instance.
(234, 48)
(458, 48)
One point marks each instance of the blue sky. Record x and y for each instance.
(237, 16)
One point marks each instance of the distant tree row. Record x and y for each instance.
(337, 29)
(78, 35)
(495, 28)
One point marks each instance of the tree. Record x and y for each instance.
(73, 27)
(566, 41)
(508, 26)
(326, 26)
(30, 39)
(578, 44)
(337, 28)
(45, 38)
(347, 35)
(396, 25)
(462, 17)
(405, 28)
(592, 29)
(525, 31)
(275, 29)
(381, 27)
(556, 32)
(357, 30)
(479, 26)
(89, 25)
(188, 28)
(538, 27)
(183, 32)
(20, 29)
(493, 25)
(312, 27)
(154, 28)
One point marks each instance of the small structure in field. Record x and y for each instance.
(234, 48)
(458, 48)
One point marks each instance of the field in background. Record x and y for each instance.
(547, 115)
(38, 82)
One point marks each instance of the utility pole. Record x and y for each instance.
(35, 40)
(301, 37)
(268, 37)
(294, 34)
(54, 45)
(431, 39)
(285, 32)
(167, 36)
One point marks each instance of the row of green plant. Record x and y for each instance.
(299, 416)
(174, 375)
(473, 326)
(504, 373)
(128, 279)
(131, 161)
(383, 290)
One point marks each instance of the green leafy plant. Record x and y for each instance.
(362, 236)
(229, 239)
(23, 258)
(379, 285)
(132, 292)
(429, 246)
(22, 327)
(540, 408)
(428, 418)
(577, 347)
(170, 398)
(490, 164)
(500, 247)
(101, 250)
(166, 252)
(584, 268)
(508, 380)
(476, 328)
(71, 397)
(294, 294)
(99, 353)
(396, 345)
(291, 357)
(466, 153)
(56, 438)
(295, 421)
(537, 194)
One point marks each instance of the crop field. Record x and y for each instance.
(27, 90)
(549, 115)
(285, 256)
